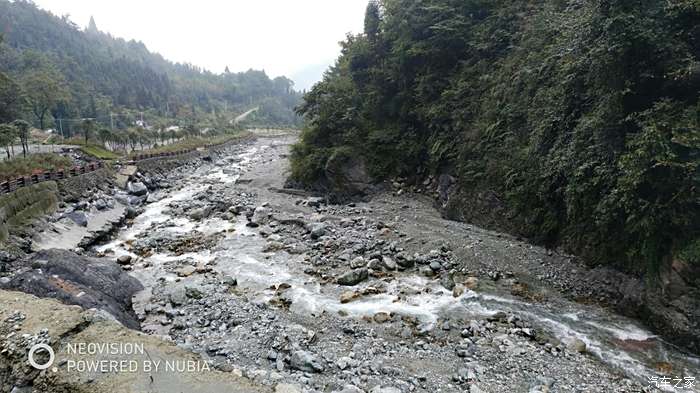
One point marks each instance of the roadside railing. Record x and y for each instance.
(24, 181)
(142, 157)
(35, 178)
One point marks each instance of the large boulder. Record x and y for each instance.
(87, 282)
(78, 217)
(347, 174)
(200, 213)
(305, 361)
(353, 277)
(138, 189)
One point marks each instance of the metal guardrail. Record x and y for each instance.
(142, 157)
(9, 186)
(23, 181)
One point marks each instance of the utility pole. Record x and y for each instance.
(111, 120)
(60, 127)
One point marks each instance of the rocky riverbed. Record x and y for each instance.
(380, 296)
(287, 293)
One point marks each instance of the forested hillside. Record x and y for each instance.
(68, 72)
(578, 120)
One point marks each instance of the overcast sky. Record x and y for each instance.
(283, 37)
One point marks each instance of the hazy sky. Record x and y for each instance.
(283, 37)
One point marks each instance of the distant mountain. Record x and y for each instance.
(305, 79)
(104, 74)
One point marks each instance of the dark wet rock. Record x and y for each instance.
(78, 217)
(314, 201)
(131, 212)
(100, 204)
(404, 261)
(124, 260)
(134, 200)
(87, 282)
(353, 277)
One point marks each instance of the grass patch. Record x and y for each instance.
(21, 166)
(190, 144)
(98, 152)
(92, 149)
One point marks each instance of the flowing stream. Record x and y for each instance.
(615, 340)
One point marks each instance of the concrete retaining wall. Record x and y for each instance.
(25, 204)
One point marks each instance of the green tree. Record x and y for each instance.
(45, 88)
(12, 99)
(372, 20)
(88, 128)
(23, 128)
(8, 136)
(105, 135)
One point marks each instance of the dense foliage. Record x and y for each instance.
(582, 116)
(66, 72)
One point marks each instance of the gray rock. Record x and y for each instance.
(261, 215)
(577, 345)
(193, 292)
(100, 204)
(201, 213)
(426, 271)
(317, 229)
(389, 263)
(78, 217)
(137, 188)
(375, 264)
(542, 385)
(134, 200)
(287, 388)
(379, 389)
(177, 295)
(348, 174)
(349, 389)
(305, 361)
(353, 277)
(358, 263)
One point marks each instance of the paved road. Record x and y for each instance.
(33, 149)
(243, 116)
